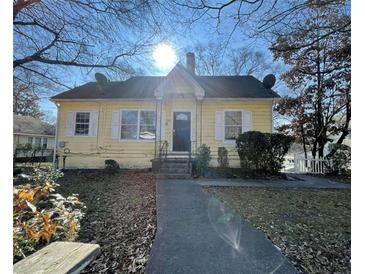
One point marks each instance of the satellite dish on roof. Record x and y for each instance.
(101, 78)
(269, 81)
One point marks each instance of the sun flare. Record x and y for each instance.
(164, 56)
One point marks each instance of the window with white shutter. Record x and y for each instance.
(246, 120)
(236, 122)
(232, 124)
(82, 123)
(219, 125)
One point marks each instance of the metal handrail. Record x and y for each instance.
(163, 149)
(191, 149)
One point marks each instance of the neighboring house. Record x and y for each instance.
(129, 120)
(29, 130)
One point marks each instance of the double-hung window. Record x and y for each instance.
(30, 140)
(232, 124)
(147, 125)
(129, 128)
(37, 142)
(44, 145)
(82, 123)
(138, 125)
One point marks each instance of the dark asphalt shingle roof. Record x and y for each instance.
(141, 87)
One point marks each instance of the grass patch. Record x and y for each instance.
(120, 217)
(312, 227)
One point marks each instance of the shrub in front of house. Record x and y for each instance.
(262, 152)
(340, 156)
(203, 158)
(111, 166)
(223, 157)
(40, 215)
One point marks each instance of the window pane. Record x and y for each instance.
(45, 140)
(82, 129)
(148, 118)
(37, 142)
(233, 118)
(129, 132)
(129, 117)
(231, 132)
(82, 117)
(30, 140)
(147, 132)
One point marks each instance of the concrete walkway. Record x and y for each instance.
(295, 181)
(197, 234)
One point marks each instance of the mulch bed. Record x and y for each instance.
(311, 227)
(120, 217)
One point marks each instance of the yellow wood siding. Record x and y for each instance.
(91, 152)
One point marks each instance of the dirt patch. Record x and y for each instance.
(311, 227)
(345, 179)
(120, 217)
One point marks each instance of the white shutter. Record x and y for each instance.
(246, 121)
(162, 126)
(70, 123)
(94, 118)
(116, 124)
(219, 125)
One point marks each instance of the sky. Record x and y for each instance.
(181, 39)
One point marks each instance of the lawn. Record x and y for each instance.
(120, 217)
(311, 227)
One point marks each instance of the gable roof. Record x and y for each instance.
(143, 87)
(31, 125)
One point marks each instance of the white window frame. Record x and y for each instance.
(32, 138)
(74, 130)
(229, 141)
(138, 125)
(44, 143)
(40, 142)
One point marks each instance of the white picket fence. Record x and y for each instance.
(313, 166)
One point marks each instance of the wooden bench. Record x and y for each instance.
(57, 258)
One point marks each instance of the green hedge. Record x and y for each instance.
(262, 152)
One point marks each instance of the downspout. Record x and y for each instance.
(272, 116)
(201, 121)
(56, 133)
(160, 121)
(156, 118)
(196, 125)
(97, 130)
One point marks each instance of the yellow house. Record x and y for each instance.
(138, 120)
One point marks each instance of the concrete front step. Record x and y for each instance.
(162, 176)
(175, 160)
(174, 169)
(174, 165)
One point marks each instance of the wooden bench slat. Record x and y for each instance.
(57, 258)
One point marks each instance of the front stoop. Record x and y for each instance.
(172, 168)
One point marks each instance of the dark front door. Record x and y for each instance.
(181, 131)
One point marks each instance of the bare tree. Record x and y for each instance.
(216, 59)
(244, 61)
(253, 17)
(209, 59)
(50, 36)
(25, 101)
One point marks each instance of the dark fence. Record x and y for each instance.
(33, 155)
